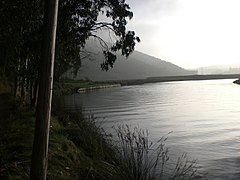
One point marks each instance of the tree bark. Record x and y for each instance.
(15, 86)
(43, 111)
(35, 93)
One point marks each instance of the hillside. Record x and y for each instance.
(137, 66)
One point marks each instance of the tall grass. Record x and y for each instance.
(93, 142)
(129, 156)
(140, 159)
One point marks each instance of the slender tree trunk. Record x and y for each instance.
(35, 94)
(23, 89)
(43, 111)
(31, 91)
(15, 86)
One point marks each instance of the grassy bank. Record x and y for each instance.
(79, 149)
(69, 86)
(75, 148)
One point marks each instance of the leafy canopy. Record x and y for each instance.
(21, 25)
(79, 20)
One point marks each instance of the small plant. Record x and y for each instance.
(140, 159)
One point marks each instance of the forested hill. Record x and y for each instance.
(137, 66)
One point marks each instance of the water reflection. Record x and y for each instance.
(203, 115)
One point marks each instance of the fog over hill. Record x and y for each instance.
(137, 66)
(221, 69)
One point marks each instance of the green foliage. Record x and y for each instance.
(93, 143)
(69, 86)
(77, 148)
(64, 157)
(16, 145)
(78, 20)
(21, 23)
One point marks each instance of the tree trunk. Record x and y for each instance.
(35, 93)
(15, 86)
(31, 91)
(23, 89)
(43, 111)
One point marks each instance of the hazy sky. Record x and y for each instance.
(189, 33)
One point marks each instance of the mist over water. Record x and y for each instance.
(202, 116)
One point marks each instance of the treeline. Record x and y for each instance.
(21, 26)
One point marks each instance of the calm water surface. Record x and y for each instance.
(203, 116)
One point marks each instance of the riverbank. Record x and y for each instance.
(172, 78)
(79, 86)
(79, 149)
(92, 88)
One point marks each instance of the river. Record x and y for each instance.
(202, 116)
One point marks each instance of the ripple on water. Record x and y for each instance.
(203, 117)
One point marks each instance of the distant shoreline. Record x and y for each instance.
(95, 85)
(170, 79)
(83, 90)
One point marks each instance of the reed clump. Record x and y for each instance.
(140, 159)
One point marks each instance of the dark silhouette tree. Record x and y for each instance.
(43, 111)
(21, 26)
(20, 31)
(79, 20)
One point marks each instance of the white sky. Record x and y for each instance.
(189, 33)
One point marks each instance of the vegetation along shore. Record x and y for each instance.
(69, 86)
(80, 149)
